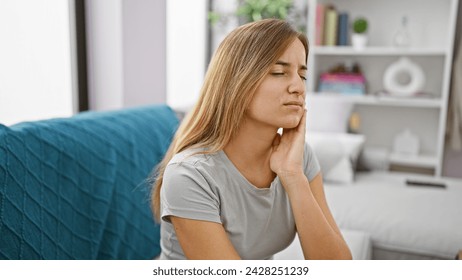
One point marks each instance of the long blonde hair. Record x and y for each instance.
(239, 65)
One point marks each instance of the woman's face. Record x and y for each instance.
(279, 100)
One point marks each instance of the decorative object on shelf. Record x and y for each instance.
(354, 123)
(406, 143)
(403, 78)
(343, 79)
(402, 38)
(359, 36)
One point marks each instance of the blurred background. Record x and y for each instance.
(62, 57)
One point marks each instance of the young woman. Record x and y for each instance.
(230, 186)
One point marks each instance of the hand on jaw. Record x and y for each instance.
(287, 155)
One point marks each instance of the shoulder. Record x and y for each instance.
(189, 156)
(196, 157)
(194, 163)
(188, 189)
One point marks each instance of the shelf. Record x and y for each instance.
(431, 27)
(417, 102)
(425, 161)
(376, 51)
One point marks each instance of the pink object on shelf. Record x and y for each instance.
(343, 77)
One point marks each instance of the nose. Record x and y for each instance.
(297, 85)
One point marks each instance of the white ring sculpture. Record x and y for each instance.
(403, 65)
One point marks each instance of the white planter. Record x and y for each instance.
(359, 41)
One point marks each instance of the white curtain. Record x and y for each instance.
(454, 125)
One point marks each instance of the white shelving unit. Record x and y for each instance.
(382, 100)
(431, 25)
(376, 51)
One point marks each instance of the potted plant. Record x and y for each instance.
(253, 10)
(359, 36)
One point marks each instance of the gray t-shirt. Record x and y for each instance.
(259, 222)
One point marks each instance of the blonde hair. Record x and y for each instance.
(239, 65)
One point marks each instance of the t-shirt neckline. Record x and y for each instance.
(247, 184)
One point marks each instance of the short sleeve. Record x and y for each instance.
(312, 167)
(186, 193)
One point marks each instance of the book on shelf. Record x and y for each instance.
(320, 12)
(342, 36)
(330, 26)
(344, 83)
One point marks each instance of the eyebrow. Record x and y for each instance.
(287, 64)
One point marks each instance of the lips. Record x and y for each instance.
(294, 103)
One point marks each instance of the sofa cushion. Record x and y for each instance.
(76, 188)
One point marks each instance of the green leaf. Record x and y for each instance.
(360, 25)
(255, 10)
(213, 18)
(256, 16)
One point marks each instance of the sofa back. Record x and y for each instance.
(76, 188)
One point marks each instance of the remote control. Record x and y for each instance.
(422, 183)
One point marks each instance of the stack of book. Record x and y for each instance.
(331, 26)
(345, 83)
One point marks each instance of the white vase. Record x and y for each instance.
(394, 83)
(359, 41)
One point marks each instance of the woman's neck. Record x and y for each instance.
(250, 151)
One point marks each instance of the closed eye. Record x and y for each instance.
(282, 74)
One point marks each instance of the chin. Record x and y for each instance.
(292, 123)
(288, 126)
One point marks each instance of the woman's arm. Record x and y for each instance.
(319, 235)
(202, 240)
(192, 207)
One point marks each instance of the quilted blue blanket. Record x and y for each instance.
(76, 188)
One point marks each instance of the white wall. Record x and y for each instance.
(35, 60)
(104, 54)
(186, 50)
(144, 51)
(126, 52)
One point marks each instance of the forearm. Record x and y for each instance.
(318, 233)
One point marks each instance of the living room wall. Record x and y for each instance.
(126, 52)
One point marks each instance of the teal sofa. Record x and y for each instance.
(78, 188)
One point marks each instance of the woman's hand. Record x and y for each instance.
(287, 156)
